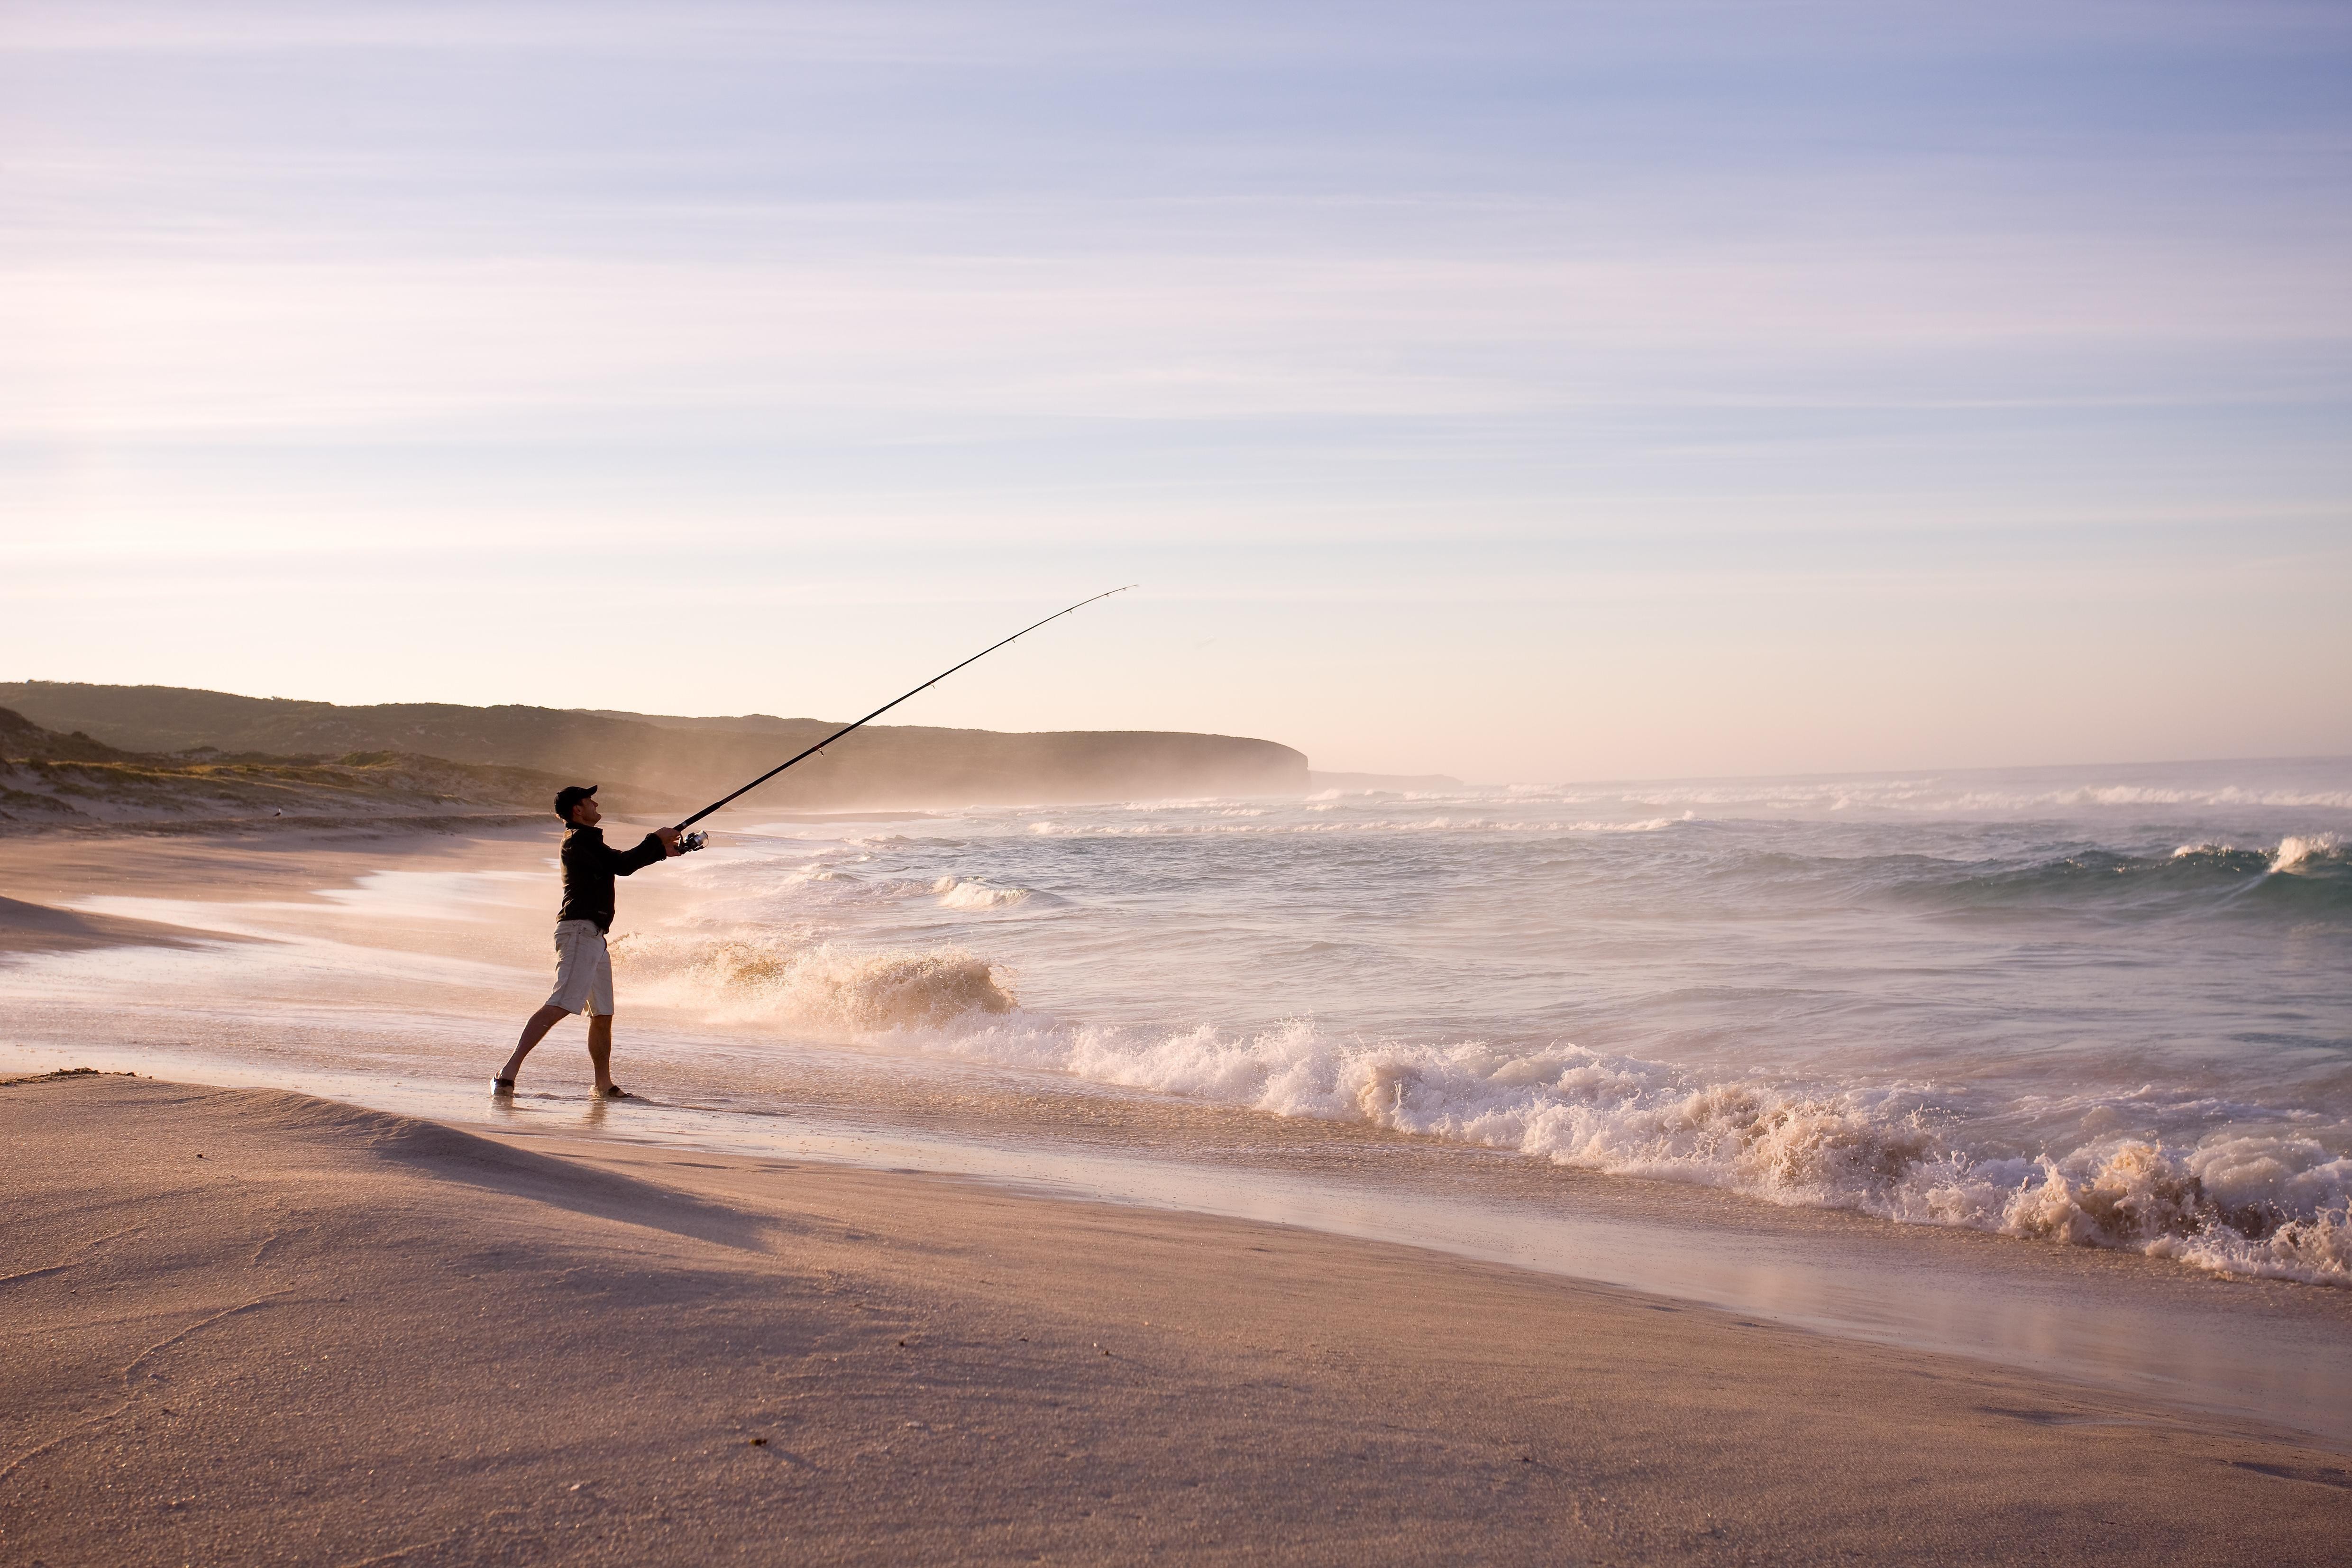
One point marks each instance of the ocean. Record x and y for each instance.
(2089, 1011)
(2110, 1006)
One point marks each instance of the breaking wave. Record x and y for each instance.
(2247, 1205)
(966, 893)
(2295, 854)
(2241, 1204)
(817, 985)
(2300, 873)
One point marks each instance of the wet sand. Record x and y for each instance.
(40, 928)
(343, 1335)
(257, 860)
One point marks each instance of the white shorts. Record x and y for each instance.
(583, 969)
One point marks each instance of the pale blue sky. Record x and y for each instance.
(1525, 391)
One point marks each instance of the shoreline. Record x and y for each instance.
(2196, 1340)
(2099, 1320)
(301, 1328)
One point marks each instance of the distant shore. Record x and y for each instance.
(275, 1328)
(158, 749)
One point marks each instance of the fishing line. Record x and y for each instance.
(694, 841)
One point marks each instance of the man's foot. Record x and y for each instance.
(501, 1086)
(614, 1092)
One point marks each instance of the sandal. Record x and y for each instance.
(615, 1092)
(501, 1086)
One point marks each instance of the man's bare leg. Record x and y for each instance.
(534, 1029)
(600, 1050)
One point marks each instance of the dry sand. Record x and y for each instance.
(251, 1327)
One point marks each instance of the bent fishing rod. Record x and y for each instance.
(694, 841)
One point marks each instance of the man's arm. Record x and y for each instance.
(661, 842)
(659, 845)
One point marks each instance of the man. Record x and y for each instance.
(584, 969)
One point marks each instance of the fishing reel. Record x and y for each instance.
(690, 842)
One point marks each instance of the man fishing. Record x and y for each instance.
(583, 968)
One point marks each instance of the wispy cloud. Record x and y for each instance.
(1542, 304)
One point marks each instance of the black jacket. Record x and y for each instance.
(588, 867)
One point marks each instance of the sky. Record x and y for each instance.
(1525, 392)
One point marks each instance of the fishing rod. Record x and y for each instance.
(694, 841)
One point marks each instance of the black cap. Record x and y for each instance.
(571, 795)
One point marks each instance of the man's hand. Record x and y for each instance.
(669, 837)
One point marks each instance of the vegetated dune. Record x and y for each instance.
(54, 779)
(685, 759)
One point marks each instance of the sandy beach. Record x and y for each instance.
(248, 1326)
(990, 782)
